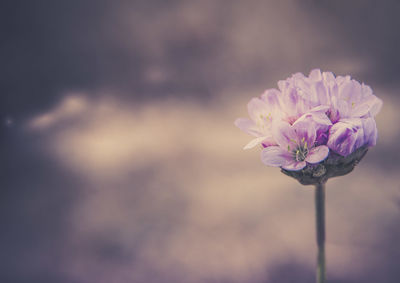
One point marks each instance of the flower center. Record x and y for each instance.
(300, 153)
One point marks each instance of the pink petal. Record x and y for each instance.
(320, 108)
(341, 106)
(315, 74)
(257, 107)
(322, 93)
(270, 97)
(254, 142)
(375, 105)
(370, 131)
(305, 131)
(317, 154)
(282, 85)
(328, 76)
(356, 125)
(295, 166)
(275, 156)
(248, 126)
(318, 115)
(291, 102)
(359, 110)
(268, 142)
(342, 138)
(283, 134)
(350, 91)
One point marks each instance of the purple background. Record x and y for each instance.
(120, 161)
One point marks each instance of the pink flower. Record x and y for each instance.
(335, 112)
(275, 106)
(347, 135)
(352, 108)
(296, 147)
(261, 111)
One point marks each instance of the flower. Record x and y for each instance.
(314, 128)
(352, 108)
(261, 111)
(348, 135)
(323, 114)
(296, 147)
(274, 106)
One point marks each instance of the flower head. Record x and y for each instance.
(296, 147)
(312, 119)
(275, 106)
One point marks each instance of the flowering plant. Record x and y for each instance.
(313, 128)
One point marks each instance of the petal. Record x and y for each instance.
(359, 134)
(320, 108)
(321, 118)
(291, 103)
(328, 76)
(275, 156)
(305, 132)
(270, 97)
(295, 166)
(322, 136)
(318, 115)
(315, 74)
(248, 126)
(333, 89)
(298, 76)
(356, 125)
(282, 85)
(341, 80)
(366, 90)
(321, 93)
(359, 109)
(342, 138)
(341, 107)
(254, 142)
(370, 131)
(257, 108)
(268, 142)
(369, 104)
(374, 105)
(350, 91)
(283, 134)
(317, 154)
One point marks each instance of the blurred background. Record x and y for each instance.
(119, 160)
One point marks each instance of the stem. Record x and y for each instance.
(320, 222)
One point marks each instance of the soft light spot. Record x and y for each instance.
(69, 107)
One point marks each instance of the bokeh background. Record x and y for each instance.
(119, 161)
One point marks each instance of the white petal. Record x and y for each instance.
(315, 74)
(254, 142)
(370, 131)
(248, 126)
(375, 105)
(359, 110)
(256, 107)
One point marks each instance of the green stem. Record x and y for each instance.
(320, 222)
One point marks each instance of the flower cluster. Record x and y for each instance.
(311, 118)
